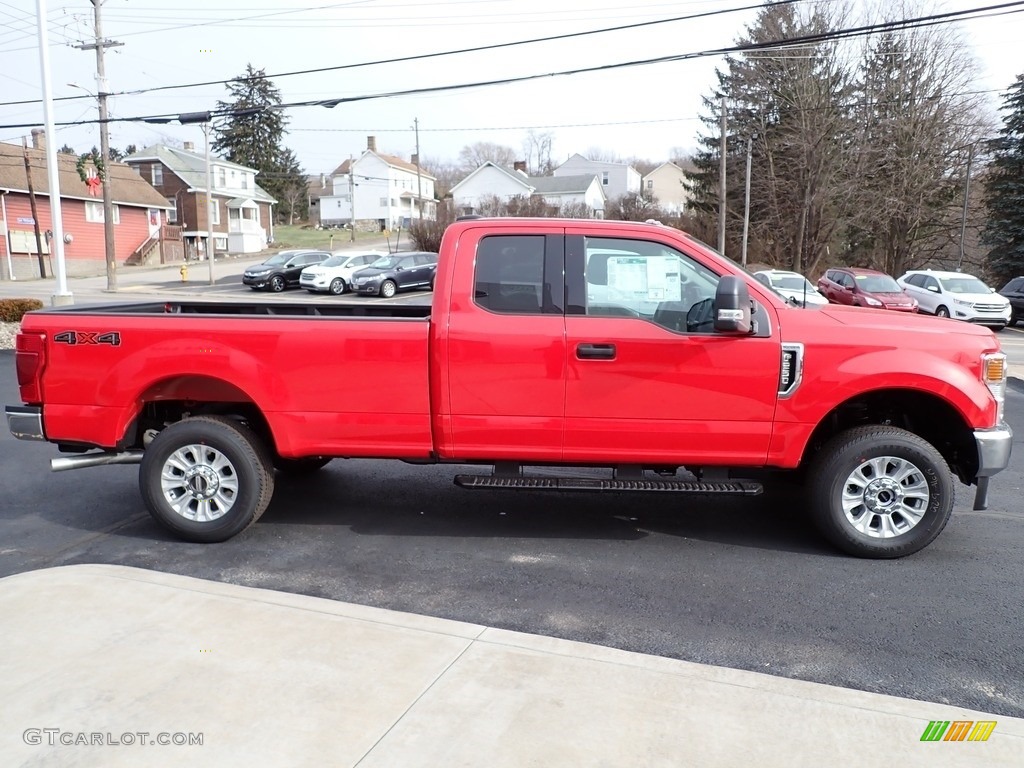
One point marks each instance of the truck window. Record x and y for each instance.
(648, 281)
(509, 274)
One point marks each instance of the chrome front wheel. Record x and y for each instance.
(880, 491)
(885, 497)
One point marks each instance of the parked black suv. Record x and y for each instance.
(397, 272)
(1014, 291)
(282, 270)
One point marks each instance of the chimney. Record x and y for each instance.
(190, 147)
(38, 138)
(519, 165)
(371, 143)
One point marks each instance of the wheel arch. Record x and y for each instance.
(925, 414)
(173, 398)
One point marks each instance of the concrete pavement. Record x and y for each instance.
(95, 656)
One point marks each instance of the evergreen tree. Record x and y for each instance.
(251, 132)
(1004, 190)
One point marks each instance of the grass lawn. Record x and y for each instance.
(299, 236)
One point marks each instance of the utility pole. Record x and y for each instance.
(967, 192)
(209, 202)
(32, 205)
(419, 183)
(721, 186)
(352, 195)
(746, 204)
(101, 97)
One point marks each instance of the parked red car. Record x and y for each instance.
(865, 288)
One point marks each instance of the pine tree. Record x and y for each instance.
(251, 132)
(1004, 190)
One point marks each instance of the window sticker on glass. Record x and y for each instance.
(643, 278)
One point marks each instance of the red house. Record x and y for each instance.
(141, 232)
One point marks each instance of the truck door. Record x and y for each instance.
(505, 361)
(648, 379)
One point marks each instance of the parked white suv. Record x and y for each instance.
(792, 286)
(335, 274)
(957, 295)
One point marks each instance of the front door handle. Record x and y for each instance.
(595, 351)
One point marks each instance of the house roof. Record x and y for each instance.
(667, 165)
(519, 177)
(190, 167)
(126, 186)
(561, 185)
(394, 162)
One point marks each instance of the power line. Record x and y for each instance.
(423, 56)
(852, 32)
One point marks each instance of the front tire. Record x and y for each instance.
(337, 286)
(206, 478)
(880, 492)
(388, 289)
(277, 284)
(942, 312)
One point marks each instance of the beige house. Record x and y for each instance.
(667, 183)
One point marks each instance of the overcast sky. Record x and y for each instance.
(641, 111)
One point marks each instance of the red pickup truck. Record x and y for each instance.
(628, 347)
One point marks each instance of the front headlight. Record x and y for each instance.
(872, 302)
(963, 303)
(993, 373)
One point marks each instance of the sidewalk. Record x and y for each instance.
(275, 679)
(133, 282)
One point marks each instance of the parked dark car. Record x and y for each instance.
(1014, 291)
(282, 270)
(865, 288)
(396, 272)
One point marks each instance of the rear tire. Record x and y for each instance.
(388, 289)
(206, 478)
(880, 492)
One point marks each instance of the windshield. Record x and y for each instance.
(335, 261)
(277, 260)
(878, 284)
(385, 263)
(792, 283)
(964, 285)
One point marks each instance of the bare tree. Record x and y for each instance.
(917, 122)
(600, 155)
(634, 207)
(538, 148)
(473, 156)
(446, 173)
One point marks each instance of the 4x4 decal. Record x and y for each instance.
(88, 337)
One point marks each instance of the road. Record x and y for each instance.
(738, 584)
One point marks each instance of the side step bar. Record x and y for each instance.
(736, 487)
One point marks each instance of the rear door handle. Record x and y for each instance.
(595, 351)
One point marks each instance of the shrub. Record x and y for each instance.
(12, 310)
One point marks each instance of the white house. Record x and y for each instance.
(617, 179)
(489, 181)
(572, 190)
(667, 184)
(492, 181)
(378, 189)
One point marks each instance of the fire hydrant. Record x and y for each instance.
(184, 273)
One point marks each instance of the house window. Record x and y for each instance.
(245, 181)
(383, 201)
(156, 174)
(172, 215)
(220, 243)
(650, 183)
(94, 213)
(215, 213)
(604, 178)
(222, 177)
